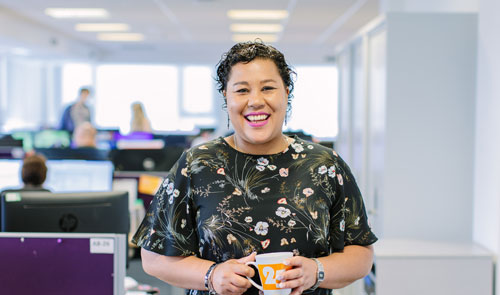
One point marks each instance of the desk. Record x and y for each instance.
(414, 267)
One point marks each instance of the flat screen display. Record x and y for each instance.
(83, 212)
(63, 175)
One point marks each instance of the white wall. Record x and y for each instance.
(430, 126)
(487, 148)
(419, 118)
(429, 5)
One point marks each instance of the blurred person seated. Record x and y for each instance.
(85, 136)
(33, 173)
(139, 123)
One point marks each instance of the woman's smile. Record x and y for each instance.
(257, 119)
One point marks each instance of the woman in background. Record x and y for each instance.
(140, 123)
(257, 191)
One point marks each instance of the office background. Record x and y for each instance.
(419, 107)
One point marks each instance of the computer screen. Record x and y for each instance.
(83, 212)
(52, 138)
(62, 175)
(10, 174)
(26, 137)
(74, 153)
(10, 148)
(79, 175)
(146, 159)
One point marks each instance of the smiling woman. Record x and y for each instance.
(256, 191)
(257, 103)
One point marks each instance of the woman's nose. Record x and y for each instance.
(256, 99)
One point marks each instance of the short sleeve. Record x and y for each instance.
(349, 222)
(169, 227)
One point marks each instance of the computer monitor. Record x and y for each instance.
(74, 153)
(79, 175)
(146, 159)
(26, 137)
(83, 212)
(62, 175)
(10, 148)
(52, 138)
(10, 174)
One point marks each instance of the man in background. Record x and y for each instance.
(77, 112)
(85, 136)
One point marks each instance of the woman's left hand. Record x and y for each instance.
(301, 277)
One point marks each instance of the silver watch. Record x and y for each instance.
(320, 274)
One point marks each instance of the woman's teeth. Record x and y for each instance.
(255, 118)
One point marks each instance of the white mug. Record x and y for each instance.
(270, 266)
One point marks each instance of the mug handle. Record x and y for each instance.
(252, 281)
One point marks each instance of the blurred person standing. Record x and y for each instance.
(77, 112)
(139, 123)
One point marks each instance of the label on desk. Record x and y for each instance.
(102, 246)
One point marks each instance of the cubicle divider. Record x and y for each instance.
(62, 263)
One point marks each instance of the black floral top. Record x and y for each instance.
(218, 203)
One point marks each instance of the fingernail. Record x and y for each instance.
(286, 262)
(281, 285)
(279, 278)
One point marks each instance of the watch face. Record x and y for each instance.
(321, 275)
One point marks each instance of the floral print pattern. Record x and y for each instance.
(218, 204)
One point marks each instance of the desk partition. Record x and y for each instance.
(62, 263)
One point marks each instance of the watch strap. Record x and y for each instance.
(208, 277)
(320, 274)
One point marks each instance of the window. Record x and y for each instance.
(24, 94)
(197, 89)
(74, 76)
(155, 86)
(314, 106)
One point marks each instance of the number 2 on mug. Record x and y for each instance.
(270, 273)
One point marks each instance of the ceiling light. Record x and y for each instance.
(77, 12)
(120, 37)
(104, 27)
(270, 38)
(20, 51)
(258, 14)
(256, 28)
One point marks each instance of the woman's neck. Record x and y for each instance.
(274, 146)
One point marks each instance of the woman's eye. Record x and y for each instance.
(268, 88)
(242, 90)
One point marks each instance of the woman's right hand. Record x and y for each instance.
(229, 277)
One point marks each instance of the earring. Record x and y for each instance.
(286, 120)
(228, 122)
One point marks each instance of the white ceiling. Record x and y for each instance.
(198, 30)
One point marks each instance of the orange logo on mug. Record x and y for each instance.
(270, 266)
(269, 274)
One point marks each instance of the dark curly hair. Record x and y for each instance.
(245, 52)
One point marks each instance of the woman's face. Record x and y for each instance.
(257, 104)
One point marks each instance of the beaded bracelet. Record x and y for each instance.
(208, 279)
